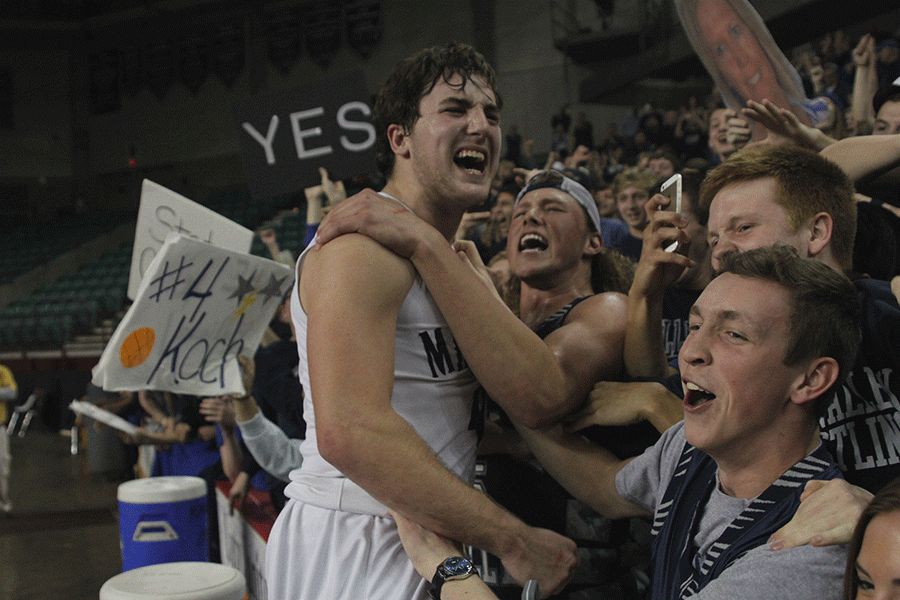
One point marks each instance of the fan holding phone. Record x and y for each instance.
(674, 268)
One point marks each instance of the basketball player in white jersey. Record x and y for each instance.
(389, 407)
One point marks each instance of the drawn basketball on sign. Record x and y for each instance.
(136, 347)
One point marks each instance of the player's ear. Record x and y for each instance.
(815, 380)
(398, 138)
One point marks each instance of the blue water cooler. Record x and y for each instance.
(162, 520)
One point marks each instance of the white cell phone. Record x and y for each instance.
(671, 189)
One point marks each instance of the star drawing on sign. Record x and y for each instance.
(244, 287)
(273, 288)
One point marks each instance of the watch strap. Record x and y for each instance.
(451, 569)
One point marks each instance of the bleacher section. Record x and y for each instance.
(74, 303)
(30, 245)
(86, 303)
(278, 212)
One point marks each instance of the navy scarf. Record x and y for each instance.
(675, 523)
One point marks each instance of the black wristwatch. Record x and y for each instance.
(455, 567)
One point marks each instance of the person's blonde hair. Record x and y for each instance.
(636, 177)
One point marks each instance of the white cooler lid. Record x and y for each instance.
(155, 490)
(177, 581)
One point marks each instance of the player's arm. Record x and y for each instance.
(508, 359)
(585, 469)
(352, 290)
(514, 365)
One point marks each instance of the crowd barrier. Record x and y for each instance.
(243, 536)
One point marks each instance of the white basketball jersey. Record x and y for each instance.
(433, 392)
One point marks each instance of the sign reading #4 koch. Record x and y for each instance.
(162, 211)
(198, 307)
(286, 136)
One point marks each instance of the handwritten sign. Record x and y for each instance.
(162, 211)
(198, 307)
(286, 136)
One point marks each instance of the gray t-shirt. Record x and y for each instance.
(798, 573)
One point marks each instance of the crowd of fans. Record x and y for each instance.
(622, 168)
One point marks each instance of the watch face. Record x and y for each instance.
(456, 566)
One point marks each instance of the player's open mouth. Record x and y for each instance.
(473, 161)
(695, 395)
(532, 242)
